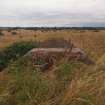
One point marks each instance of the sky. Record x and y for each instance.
(52, 13)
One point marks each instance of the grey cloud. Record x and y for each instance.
(51, 12)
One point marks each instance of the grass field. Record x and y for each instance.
(67, 83)
(91, 41)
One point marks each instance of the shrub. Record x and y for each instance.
(3, 101)
(15, 51)
(39, 61)
(96, 30)
(14, 33)
(1, 34)
(31, 88)
(9, 30)
(65, 70)
(27, 85)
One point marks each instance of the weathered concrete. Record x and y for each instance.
(53, 55)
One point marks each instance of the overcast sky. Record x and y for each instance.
(52, 12)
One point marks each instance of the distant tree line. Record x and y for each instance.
(52, 28)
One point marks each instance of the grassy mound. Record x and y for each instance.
(29, 86)
(69, 83)
(14, 52)
(89, 89)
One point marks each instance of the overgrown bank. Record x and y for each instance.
(15, 51)
(29, 86)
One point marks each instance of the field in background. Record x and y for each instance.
(91, 41)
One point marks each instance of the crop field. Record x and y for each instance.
(67, 82)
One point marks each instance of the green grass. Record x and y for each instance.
(15, 51)
(14, 33)
(70, 83)
(29, 86)
(39, 61)
(65, 71)
(1, 33)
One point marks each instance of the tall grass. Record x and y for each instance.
(13, 33)
(88, 89)
(28, 86)
(1, 33)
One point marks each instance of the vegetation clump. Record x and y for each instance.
(27, 85)
(1, 33)
(14, 33)
(69, 83)
(15, 51)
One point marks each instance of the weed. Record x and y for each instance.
(1, 33)
(15, 51)
(14, 33)
(65, 70)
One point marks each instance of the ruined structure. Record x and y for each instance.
(52, 55)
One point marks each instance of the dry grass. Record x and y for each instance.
(89, 89)
(3, 84)
(87, 86)
(90, 41)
